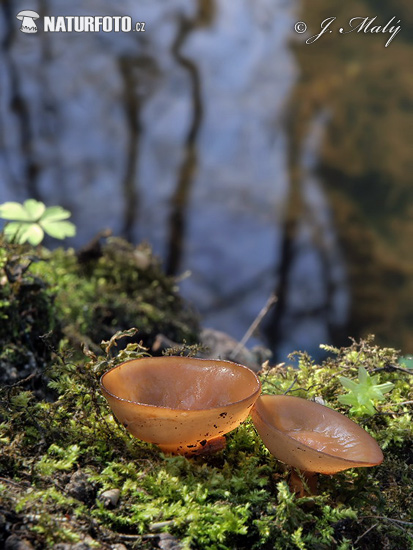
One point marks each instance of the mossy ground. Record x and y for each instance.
(61, 447)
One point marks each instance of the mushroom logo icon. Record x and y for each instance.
(27, 17)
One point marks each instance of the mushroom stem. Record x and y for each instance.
(303, 483)
(203, 448)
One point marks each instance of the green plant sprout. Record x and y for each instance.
(364, 394)
(28, 222)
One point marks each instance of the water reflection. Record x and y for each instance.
(365, 157)
(312, 284)
(184, 136)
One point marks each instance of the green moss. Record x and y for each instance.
(60, 446)
(85, 298)
(115, 287)
(27, 313)
(236, 498)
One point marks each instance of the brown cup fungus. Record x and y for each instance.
(312, 437)
(183, 405)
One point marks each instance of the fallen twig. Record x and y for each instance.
(270, 302)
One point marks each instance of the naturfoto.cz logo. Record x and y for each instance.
(28, 17)
(79, 23)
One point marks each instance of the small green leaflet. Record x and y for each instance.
(28, 222)
(363, 395)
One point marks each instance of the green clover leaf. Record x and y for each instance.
(15, 211)
(21, 232)
(31, 220)
(362, 395)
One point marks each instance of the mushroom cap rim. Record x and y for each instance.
(27, 13)
(335, 457)
(251, 395)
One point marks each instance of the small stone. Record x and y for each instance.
(118, 546)
(15, 543)
(81, 546)
(319, 400)
(80, 488)
(110, 498)
(159, 525)
(169, 542)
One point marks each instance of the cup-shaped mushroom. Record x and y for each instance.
(312, 437)
(183, 405)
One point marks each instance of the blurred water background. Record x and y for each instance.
(251, 161)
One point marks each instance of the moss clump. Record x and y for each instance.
(59, 453)
(85, 297)
(237, 498)
(27, 313)
(113, 287)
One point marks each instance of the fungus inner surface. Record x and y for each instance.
(181, 385)
(319, 427)
(331, 440)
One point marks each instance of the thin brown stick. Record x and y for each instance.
(20, 382)
(11, 482)
(365, 532)
(388, 519)
(393, 367)
(254, 325)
